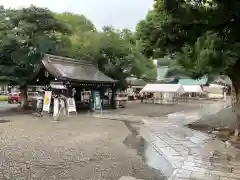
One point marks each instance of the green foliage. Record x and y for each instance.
(203, 37)
(3, 98)
(119, 56)
(116, 52)
(26, 34)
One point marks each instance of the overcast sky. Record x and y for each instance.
(119, 13)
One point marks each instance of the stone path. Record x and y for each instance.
(193, 154)
(188, 154)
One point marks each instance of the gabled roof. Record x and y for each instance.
(70, 69)
(132, 81)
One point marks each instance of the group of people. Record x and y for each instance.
(62, 102)
(145, 96)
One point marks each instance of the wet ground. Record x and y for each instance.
(144, 149)
(225, 118)
(6, 106)
(155, 110)
(81, 147)
(76, 148)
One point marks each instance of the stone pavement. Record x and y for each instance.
(193, 154)
(188, 154)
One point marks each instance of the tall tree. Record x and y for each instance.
(120, 56)
(83, 35)
(202, 35)
(25, 35)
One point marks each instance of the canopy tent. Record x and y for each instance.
(215, 86)
(192, 88)
(167, 88)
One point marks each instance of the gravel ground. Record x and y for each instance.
(76, 148)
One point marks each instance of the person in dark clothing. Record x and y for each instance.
(141, 97)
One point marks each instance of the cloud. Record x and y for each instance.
(119, 13)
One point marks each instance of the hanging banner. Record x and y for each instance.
(55, 107)
(71, 105)
(47, 101)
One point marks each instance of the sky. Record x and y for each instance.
(118, 13)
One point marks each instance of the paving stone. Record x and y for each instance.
(226, 178)
(212, 177)
(189, 163)
(201, 163)
(168, 151)
(222, 169)
(195, 151)
(189, 144)
(159, 143)
(176, 161)
(184, 174)
(224, 174)
(127, 178)
(179, 178)
(197, 176)
(195, 169)
(198, 150)
(197, 140)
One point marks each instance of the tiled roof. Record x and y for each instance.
(135, 81)
(79, 70)
(162, 72)
(189, 81)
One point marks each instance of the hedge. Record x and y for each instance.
(3, 98)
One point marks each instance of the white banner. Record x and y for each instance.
(55, 107)
(47, 101)
(71, 105)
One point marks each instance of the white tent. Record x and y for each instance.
(192, 88)
(166, 88)
(215, 86)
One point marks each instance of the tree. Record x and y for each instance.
(25, 35)
(116, 52)
(83, 35)
(203, 37)
(120, 56)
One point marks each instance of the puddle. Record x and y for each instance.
(149, 155)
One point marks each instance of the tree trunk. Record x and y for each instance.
(24, 98)
(236, 104)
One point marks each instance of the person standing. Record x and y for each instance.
(141, 97)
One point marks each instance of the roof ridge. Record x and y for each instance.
(71, 60)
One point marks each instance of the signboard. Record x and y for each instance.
(96, 100)
(85, 95)
(47, 101)
(71, 105)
